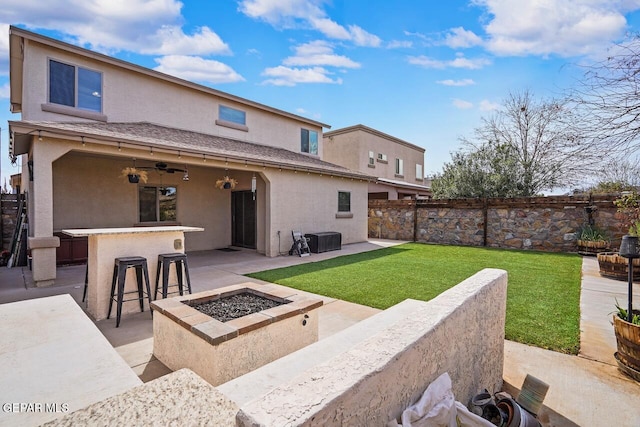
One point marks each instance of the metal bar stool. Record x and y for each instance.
(120, 268)
(165, 261)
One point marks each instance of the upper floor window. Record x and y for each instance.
(232, 115)
(399, 167)
(372, 158)
(75, 86)
(309, 141)
(382, 158)
(419, 175)
(157, 204)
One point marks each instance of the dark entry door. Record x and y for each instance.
(243, 219)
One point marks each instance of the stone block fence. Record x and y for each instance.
(537, 223)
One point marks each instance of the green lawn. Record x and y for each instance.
(543, 297)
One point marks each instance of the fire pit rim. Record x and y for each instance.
(214, 331)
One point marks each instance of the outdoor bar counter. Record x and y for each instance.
(107, 244)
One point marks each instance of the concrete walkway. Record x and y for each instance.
(587, 390)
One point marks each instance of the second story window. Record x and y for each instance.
(232, 115)
(372, 159)
(399, 167)
(419, 176)
(309, 141)
(382, 158)
(75, 87)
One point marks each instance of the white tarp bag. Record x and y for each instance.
(438, 408)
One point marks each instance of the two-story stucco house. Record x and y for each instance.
(85, 117)
(397, 164)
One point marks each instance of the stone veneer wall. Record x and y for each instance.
(539, 223)
(8, 218)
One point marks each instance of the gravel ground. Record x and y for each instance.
(235, 306)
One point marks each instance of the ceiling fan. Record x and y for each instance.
(163, 167)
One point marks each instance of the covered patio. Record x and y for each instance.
(243, 194)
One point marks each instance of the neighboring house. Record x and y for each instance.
(86, 116)
(397, 164)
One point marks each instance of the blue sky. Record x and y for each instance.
(420, 70)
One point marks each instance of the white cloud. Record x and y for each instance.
(462, 104)
(459, 62)
(142, 26)
(4, 91)
(545, 27)
(460, 38)
(319, 53)
(286, 76)
(463, 82)
(197, 69)
(362, 38)
(486, 105)
(4, 49)
(170, 40)
(397, 44)
(305, 14)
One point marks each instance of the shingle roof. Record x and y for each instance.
(157, 136)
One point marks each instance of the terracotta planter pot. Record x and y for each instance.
(628, 339)
(613, 266)
(592, 247)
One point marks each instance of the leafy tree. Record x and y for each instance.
(490, 171)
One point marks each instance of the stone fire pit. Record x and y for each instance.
(184, 337)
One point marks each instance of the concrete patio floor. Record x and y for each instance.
(587, 390)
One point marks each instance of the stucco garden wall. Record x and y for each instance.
(539, 223)
(376, 379)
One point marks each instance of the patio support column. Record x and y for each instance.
(41, 241)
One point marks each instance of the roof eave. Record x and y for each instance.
(23, 132)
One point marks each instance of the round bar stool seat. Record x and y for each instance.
(120, 267)
(164, 262)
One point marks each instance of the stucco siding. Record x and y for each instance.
(135, 97)
(309, 203)
(340, 148)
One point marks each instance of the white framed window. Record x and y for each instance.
(382, 157)
(399, 167)
(309, 141)
(419, 175)
(372, 158)
(157, 204)
(232, 115)
(75, 86)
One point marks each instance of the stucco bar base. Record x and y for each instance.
(107, 244)
(186, 338)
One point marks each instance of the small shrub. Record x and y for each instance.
(592, 234)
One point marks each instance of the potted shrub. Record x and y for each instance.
(226, 183)
(134, 175)
(626, 322)
(628, 341)
(591, 240)
(611, 264)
